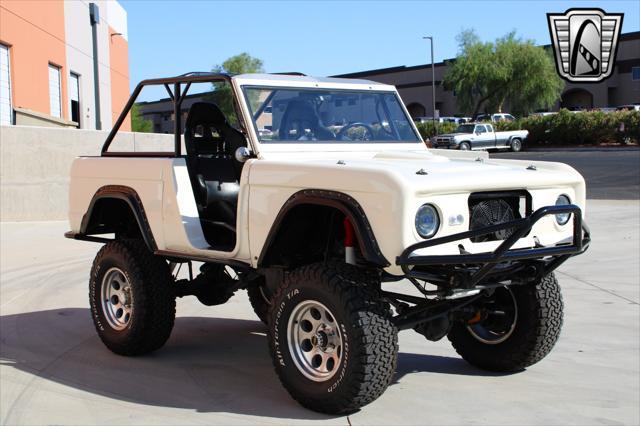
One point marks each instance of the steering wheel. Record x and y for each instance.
(342, 133)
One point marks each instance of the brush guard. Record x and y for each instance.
(466, 271)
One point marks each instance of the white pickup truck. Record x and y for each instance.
(481, 136)
(313, 219)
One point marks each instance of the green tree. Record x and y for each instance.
(139, 124)
(510, 70)
(472, 73)
(238, 64)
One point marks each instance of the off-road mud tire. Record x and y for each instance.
(540, 311)
(371, 340)
(154, 305)
(258, 302)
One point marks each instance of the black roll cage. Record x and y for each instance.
(181, 85)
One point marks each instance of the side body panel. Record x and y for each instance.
(164, 188)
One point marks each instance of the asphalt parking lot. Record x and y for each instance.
(611, 174)
(215, 369)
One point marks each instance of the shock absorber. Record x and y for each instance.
(349, 239)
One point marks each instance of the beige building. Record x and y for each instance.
(415, 84)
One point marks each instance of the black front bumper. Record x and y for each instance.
(467, 271)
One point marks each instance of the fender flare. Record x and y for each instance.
(340, 201)
(129, 196)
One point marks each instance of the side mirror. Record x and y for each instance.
(242, 154)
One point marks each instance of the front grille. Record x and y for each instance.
(493, 208)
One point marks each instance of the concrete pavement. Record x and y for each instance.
(215, 368)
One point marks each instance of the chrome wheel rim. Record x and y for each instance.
(116, 299)
(464, 147)
(315, 340)
(515, 145)
(500, 316)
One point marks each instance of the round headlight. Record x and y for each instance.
(563, 218)
(427, 221)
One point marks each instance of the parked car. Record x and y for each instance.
(428, 120)
(630, 107)
(314, 222)
(479, 136)
(494, 118)
(457, 120)
(542, 113)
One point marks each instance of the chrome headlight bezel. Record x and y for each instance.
(563, 218)
(427, 221)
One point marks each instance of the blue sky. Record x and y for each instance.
(326, 38)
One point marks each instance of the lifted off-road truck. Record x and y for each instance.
(313, 198)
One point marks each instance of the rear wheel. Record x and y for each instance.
(516, 145)
(464, 146)
(131, 297)
(513, 328)
(259, 298)
(333, 344)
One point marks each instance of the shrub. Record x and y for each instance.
(427, 130)
(507, 125)
(581, 128)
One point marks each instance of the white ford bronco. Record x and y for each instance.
(320, 199)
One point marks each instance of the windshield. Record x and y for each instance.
(292, 115)
(465, 128)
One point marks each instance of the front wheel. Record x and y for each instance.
(513, 328)
(333, 344)
(464, 146)
(131, 296)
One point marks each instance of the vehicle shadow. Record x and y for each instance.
(208, 364)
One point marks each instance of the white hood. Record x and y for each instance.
(471, 172)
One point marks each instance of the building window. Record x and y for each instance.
(55, 109)
(74, 98)
(6, 111)
(635, 73)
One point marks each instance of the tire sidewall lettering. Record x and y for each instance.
(281, 345)
(344, 362)
(96, 288)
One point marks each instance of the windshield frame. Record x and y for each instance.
(364, 89)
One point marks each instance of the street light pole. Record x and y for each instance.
(433, 85)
